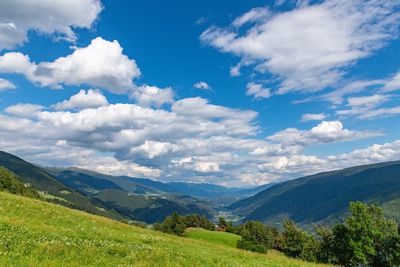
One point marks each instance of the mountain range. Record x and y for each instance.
(122, 197)
(320, 198)
(324, 197)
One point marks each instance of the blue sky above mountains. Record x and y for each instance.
(213, 91)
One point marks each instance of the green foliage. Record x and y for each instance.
(366, 238)
(36, 233)
(257, 233)
(256, 236)
(230, 228)
(197, 221)
(248, 245)
(173, 224)
(296, 240)
(222, 222)
(151, 208)
(10, 183)
(41, 180)
(310, 250)
(326, 245)
(216, 237)
(324, 197)
(176, 224)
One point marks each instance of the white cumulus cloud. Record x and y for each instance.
(55, 17)
(147, 96)
(101, 64)
(24, 110)
(325, 132)
(83, 99)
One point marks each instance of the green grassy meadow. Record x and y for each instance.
(222, 238)
(36, 233)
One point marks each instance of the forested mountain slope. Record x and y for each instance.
(324, 197)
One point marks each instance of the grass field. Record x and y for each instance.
(36, 233)
(222, 238)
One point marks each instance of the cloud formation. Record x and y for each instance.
(24, 110)
(56, 17)
(202, 86)
(100, 64)
(157, 135)
(309, 47)
(325, 132)
(313, 117)
(6, 85)
(257, 91)
(83, 99)
(148, 96)
(194, 140)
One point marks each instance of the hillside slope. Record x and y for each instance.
(134, 198)
(11, 183)
(217, 237)
(114, 197)
(324, 197)
(36, 233)
(50, 188)
(151, 209)
(89, 182)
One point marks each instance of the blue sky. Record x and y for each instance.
(237, 93)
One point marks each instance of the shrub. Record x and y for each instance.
(248, 245)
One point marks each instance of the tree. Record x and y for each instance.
(222, 222)
(326, 244)
(230, 228)
(255, 236)
(294, 239)
(11, 183)
(173, 224)
(310, 249)
(366, 238)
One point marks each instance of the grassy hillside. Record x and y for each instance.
(222, 238)
(114, 197)
(49, 187)
(11, 183)
(36, 233)
(324, 197)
